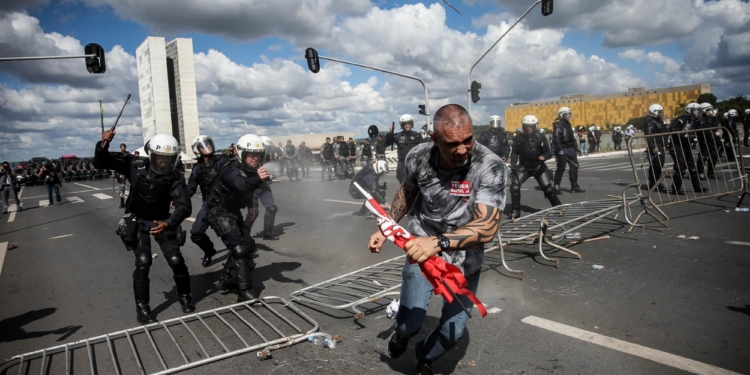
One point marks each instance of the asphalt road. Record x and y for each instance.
(676, 299)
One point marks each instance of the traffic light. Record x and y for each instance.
(95, 64)
(313, 62)
(475, 86)
(546, 7)
(421, 110)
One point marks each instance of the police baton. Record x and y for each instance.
(571, 161)
(104, 143)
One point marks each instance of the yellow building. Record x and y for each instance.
(605, 109)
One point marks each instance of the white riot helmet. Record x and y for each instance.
(732, 113)
(250, 144)
(655, 110)
(564, 111)
(747, 111)
(381, 167)
(598, 128)
(706, 107)
(266, 141)
(693, 109)
(529, 121)
(203, 145)
(541, 131)
(163, 153)
(714, 112)
(406, 119)
(630, 126)
(617, 128)
(495, 122)
(726, 115)
(591, 128)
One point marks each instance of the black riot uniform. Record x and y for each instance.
(227, 194)
(149, 201)
(617, 136)
(496, 141)
(746, 130)
(343, 161)
(201, 177)
(305, 156)
(525, 163)
(730, 128)
(366, 153)
(291, 161)
(380, 148)
(405, 140)
(352, 151)
(656, 148)
(707, 145)
(567, 151)
(682, 153)
(326, 160)
(262, 196)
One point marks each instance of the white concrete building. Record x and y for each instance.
(166, 85)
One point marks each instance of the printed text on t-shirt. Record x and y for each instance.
(460, 188)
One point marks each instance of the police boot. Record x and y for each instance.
(122, 202)
(207, 257)
(557, 189)
(554, 200)
(268, 231)
(227, 282)
(516, 214)
(183, 292)
(142, 309)
(575, 188)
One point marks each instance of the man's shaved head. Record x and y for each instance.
(452, 116)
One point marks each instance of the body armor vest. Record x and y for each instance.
(326, 150)
(530, 149)
(352, 149)
(406, 142)
(206, 173)
(150, 196)
(366, 150)
(290, 151)
(495, 142)
(221, 197)
(343, 149)
(564, 133)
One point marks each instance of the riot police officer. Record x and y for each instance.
(656, 145)
(530, 151)
(707, 142)
(343, 158)
(236, 180)
(730, 125)
(290, 153)
(352, 151)
(495, 139)
(566, 149)
(598, 133)
(263, 195)
(746, 128)
(617, 136)
(327, 159)
(305, 156)
(406, 140)
(366, 152)
(681, 150)
(380, 148)
(201, 177)
(154, 184)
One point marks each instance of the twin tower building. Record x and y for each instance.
(166, 84)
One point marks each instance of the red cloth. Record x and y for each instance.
(436, 270)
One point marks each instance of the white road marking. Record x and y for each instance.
(19, 193)
(86, 186)
(3, 250)
(74, 199)
(43, 203)
(348, 202)
(102, 196)
(61, 193)
(738, 243)
(658, 356)
(190, 219)
(12, 217)
(54, 238)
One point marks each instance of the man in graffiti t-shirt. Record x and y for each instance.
(448, 197)
(455, 189)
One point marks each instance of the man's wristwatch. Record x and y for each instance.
(443, 242)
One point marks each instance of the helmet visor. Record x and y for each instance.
(252, 160)
(163, 164)
(205, 146)
(529, 128)
(495, 123)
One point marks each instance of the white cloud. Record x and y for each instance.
(669, 65)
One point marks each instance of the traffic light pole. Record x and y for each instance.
(94, 56)
(45, 58)
(426, 99)
(468, 87)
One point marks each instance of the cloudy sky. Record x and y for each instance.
(252, 77)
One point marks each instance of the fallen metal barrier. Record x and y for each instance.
(178, 344)
(355, 288)
(689, 165)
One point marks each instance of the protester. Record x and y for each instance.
(52, 179)
(8, 185)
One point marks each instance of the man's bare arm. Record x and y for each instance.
(480, 230)
(403, 201)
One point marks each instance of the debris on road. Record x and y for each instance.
(392, 309)
(494, 310)
(597, 267)
(154, 255)
(11, 246)
(324, 339)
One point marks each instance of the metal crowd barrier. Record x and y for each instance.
(730, 174)
(177, 344)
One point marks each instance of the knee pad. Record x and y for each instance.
(549, 191)
(242, 251)
(175, 260)
(273, 209)
(197, 237)
(143, 261)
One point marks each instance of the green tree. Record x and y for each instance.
(707, 98)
